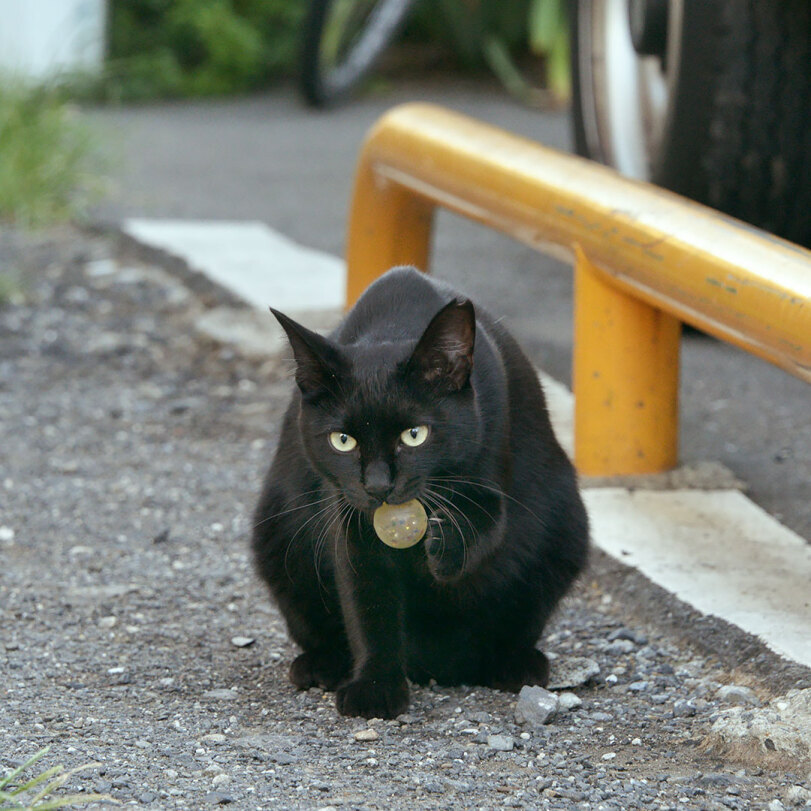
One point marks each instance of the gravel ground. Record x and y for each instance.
(134, 633)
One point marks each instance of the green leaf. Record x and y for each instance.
(4, 781)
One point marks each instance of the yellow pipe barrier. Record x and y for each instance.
(645, 260)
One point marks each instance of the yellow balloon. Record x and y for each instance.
(401, 525)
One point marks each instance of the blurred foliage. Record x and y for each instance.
(524, 42)
(50, 169)
(178, 48)
(181, 48)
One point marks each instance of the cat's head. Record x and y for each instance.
(379, 419)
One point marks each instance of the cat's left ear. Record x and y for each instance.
(318, 360)
(444, 354)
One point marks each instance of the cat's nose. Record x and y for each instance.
(377, 480)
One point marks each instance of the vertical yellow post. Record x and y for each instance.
(626, 379)
(388, 226)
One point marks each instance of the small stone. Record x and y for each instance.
(798, 796)
(683, 708)
(621, 647)
(242, 641)
(569, 701)
(214, 737)
(12, 645)
(220, 780)
(107, 622)
(571, 672)
(611, 679)
(609, 756)
(501, 743)
(171, 774)
(6, 534)
(222, 694)
(367, 735)
(212, 770)
(775, 805)
(737, 694)
(142, 744)
(479, 717)
(636, 742)
(627, 633)
(535, 706)
(639, 686)
(218, 798)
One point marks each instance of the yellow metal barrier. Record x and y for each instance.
(645, 260)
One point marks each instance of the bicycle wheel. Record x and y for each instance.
(343, 40)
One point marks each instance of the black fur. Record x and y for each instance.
(508, 532)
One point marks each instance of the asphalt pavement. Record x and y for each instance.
(269, 158)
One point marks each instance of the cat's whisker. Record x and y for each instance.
(486, 484)
(316, 516)
(295, 509)
(466, 498)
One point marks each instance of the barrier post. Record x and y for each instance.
(625, 379)
(390, 225)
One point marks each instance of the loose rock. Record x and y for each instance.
(535, 706)
(737, 694)
(571, 672)
(501, 743)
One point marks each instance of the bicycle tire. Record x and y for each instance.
(739, 130)
(324, 84)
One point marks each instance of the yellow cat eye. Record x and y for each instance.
(342, 442)
(413, 437)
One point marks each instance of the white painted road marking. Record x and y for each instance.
(256, 263)
(715, 550)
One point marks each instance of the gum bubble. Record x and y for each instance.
(400, 525)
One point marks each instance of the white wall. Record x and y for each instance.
(40, 38)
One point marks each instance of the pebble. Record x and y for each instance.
(501, 743)
(221, 780)
(221, 694)
(6, 534)
(214, 737)
(621, 647)
(639, 686)
(107, 622)
(569, 701)
(737, 694)
(367, 735)
(684, 708)
(535, 706)
(242, 641)
(798, 796)
(775, 805)
(572, 671)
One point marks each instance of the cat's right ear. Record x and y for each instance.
(318, 360)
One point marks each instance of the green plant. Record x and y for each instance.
(173, 48)
(503, 35)
(48, 170)
(39, 793)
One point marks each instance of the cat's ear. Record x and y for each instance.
(318, 360)
(444, 354)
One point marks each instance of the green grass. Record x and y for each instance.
(39, 793)
(49, 166)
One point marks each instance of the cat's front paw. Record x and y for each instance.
(373, 698)
(325, 668)
(446, 555)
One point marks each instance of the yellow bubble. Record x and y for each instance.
(400, 525)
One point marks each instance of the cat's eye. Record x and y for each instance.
(414, 437)
(342, 442)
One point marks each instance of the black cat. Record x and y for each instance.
(416, 396)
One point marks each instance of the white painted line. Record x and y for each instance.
(560, 405)
(718, 552)
(254, 262)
